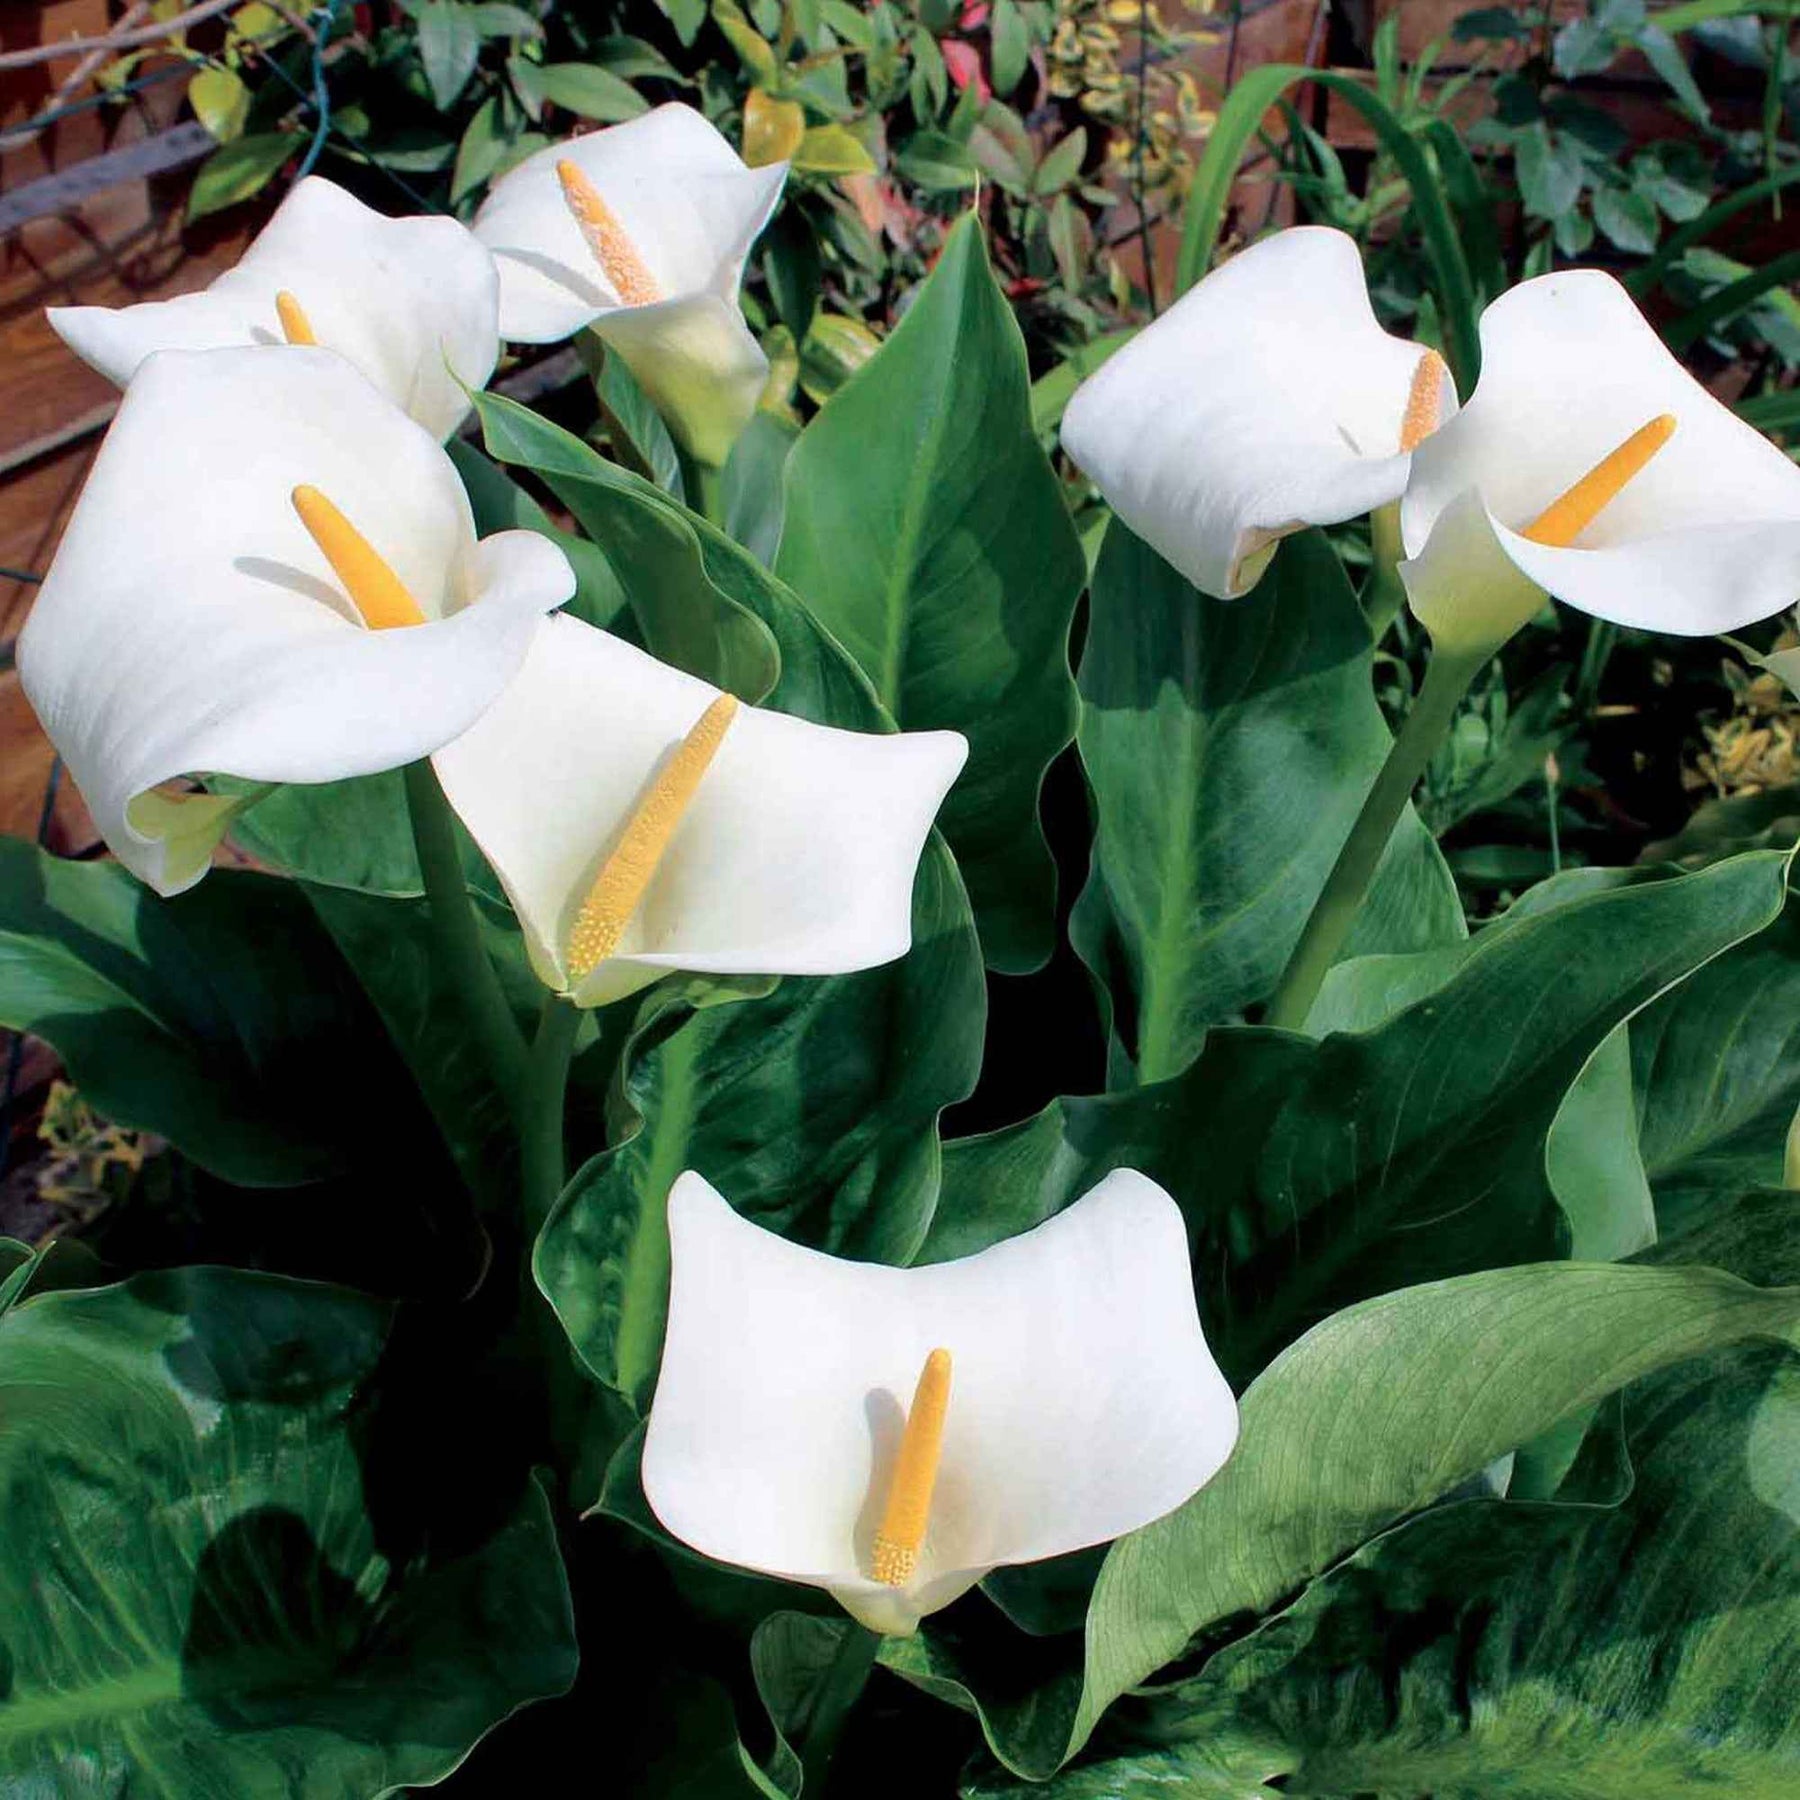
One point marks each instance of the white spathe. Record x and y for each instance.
(1265, 400)
(190, 624)
(691, 210)
(1084, 1402)
(413, 303)
(796, 856)
(1705, 538)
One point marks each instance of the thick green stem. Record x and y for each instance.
(541, 1165)
(839, 1689)
(704, 485)
(1447, 679)
(1385, 593)
(457, 931)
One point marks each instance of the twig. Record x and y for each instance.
(77, 78)
(124, 40)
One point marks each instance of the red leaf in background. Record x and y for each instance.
(974, 14)
(964, 63)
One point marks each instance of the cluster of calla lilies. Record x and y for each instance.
(273, 574)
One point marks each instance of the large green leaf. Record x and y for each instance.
(927, 532)
(218, 1577)
(1493, 1651)
(1381, 1410)
(1228, 750)
(223, 1020)
(1717, 1071)
(1315, 1174)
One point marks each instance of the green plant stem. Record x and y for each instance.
(1386, 592)
(1447, 679)
(703, 484)
(457, 932)
(541, 1166)
(838, 1691)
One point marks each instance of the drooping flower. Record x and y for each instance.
(641, 231)
(642, 822)
(1265, 400)
(892, 1435)
(224, 596)
(413, 303)
(1589, 464)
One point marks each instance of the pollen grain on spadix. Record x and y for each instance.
(377, 593)
(1577, 507)
(608, 241)
(619, 888)
(894, 1556)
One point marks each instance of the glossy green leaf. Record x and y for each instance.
(217, 1579)
(1228, 750)
(223, 1020)
(449, 45)
(587, 90)
(1381, 1410)
(1315, 1174)
(752, 488)
(1493, 1651)
(238, 170)
(927, 532)
(1717, 1069)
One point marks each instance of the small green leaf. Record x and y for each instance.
(238, 170)
(1011, 46)
(1627, 218)
(937, 163)
(585, 89)
(449, 46)
(220, 101)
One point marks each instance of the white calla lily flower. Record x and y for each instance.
(641, 822)
(892, 1435)
(249, 522)
(1265, 400)
(1589, 464)
(642, 231)
(413, 303)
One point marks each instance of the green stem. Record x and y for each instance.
(840, 1687)
(1385, 593)
(1447, 679)
(458, 932)
(542, 1171)
(704, 486)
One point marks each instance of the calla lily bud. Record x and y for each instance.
(1589, 464)
(642, 231)
(1267, 399)
(643, 822)
(413, 303)
(893, 1435)
(272, 573)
